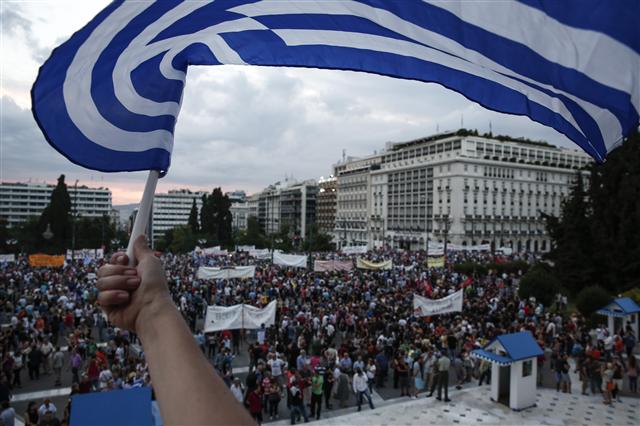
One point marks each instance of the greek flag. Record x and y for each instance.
(108, 98)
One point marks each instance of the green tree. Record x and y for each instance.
(216, 218)
(165, 241)
(57, 215)
(253, 235)
(4, 235)
(591, 299)
(193, 218)
(184, 240)
(541, 283)
(614, 196)
(317, 240)
(573, 248)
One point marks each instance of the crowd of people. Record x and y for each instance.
(338, 335)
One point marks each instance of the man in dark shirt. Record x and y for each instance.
(35, 359)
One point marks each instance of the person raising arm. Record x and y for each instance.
(188, 390)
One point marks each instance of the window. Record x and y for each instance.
(527, 368)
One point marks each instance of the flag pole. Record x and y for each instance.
(142, 218)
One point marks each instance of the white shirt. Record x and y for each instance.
(43, 409)
(237, 392)
(360, 383)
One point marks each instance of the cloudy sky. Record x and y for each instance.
(240, 127)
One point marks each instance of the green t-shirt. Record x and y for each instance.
(316, 385)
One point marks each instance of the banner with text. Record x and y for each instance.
(242, 272)
(423, 307)
(248, 249)
(239, 317)
(260, 253)
(436, 262)
(354, 250)
(223, 318)
(7, 258)
(366, 264)
(85, 254)
(45, 260)
(332, 265)
(254, 317)
(293, 260)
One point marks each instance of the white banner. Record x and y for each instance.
(223, 318)
(354, 250)
(209, 273)
(239, 317)
(214, 251)
(7, 258)
(255, 317)
(423, 307)
(507, 251)
(248, 249)
(260, 253)
(85, 254)
(458, 247)
(293, 260)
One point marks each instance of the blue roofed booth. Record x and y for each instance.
(624, 308)
(513, 368)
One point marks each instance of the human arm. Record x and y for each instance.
(186, 386)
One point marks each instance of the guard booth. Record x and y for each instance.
(513, 369)
(624, 308)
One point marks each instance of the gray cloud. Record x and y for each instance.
(245, 128)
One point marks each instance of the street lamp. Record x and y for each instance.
(47, 234)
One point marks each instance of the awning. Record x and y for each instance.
(612, 313)
(491, 357)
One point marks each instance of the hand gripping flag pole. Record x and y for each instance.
(142, 218)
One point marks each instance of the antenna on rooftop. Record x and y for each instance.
(344, 154)
(490, 129)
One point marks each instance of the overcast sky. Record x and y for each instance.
(240, 127)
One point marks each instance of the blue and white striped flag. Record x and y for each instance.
(109, 97)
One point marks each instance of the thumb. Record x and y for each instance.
(141, 248)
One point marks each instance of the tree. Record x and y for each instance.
(57, 216)
(216, 218)
(184, 240)
(591, 299)
(614, 196)
(253, 236)
(541, 283)
(193, 218)
(572, 253)
(4, 235)
(597, 237)
(317, 241)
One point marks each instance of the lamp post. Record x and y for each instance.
(47, 234)
(73, 217)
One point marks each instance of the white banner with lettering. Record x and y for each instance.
(209, 273)
(248, 249)
(239, 317)
(7, 258)
(223, 318)
(354, 250)
(260, 253)
(85, 253)
(293, 260)
(255, 317)
(423, 307)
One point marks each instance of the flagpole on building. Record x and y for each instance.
(142, 218)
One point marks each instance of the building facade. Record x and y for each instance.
(172, 209)
(240, 215)
(326, 204)
(457, 187)
(353, 201)
(289, 205)
(21, 201)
